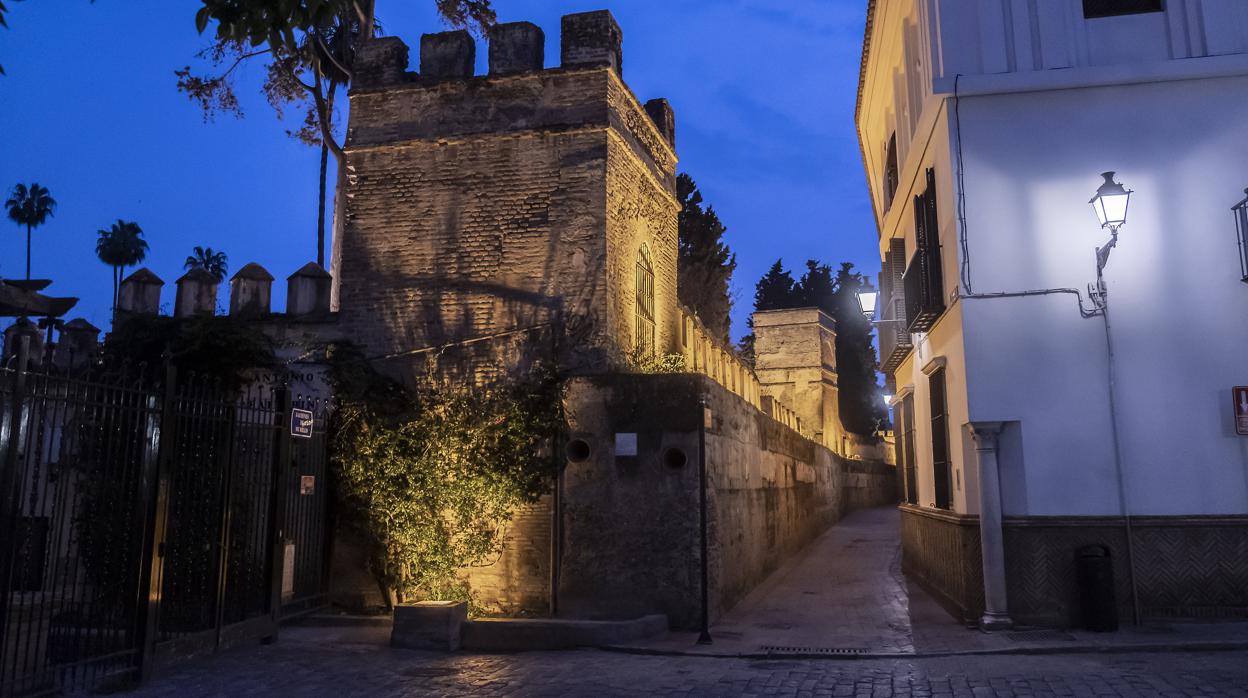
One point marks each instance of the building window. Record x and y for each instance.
(940, 439)
(644, 311)
(923, 280)
(1113, 8)
(891, 175)
(905, 450)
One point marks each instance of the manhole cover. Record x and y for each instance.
(1041, 636)
(778, 649)
(430, 672)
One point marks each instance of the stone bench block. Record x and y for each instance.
(429, 625)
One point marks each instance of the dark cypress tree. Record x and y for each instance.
(705, 265)
(816, 288)
(775, 291)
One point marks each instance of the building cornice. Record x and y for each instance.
(862, 147)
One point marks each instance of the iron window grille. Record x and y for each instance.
(644, 322)
(941, 467)
(891, 173)
(1241, 233)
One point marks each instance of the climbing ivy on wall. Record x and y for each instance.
(428, 479)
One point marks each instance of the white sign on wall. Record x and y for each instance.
(625, 444)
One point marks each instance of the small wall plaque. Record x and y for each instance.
(625, 444)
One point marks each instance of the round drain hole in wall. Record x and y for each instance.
(577, 450)
(675, 458)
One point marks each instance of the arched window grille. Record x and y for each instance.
(644, 310)
(891, 175)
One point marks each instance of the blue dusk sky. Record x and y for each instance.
(763, 92)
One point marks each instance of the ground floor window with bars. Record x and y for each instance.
(905, 450)
(644, 306)
(940, 439)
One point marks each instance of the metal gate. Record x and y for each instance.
(145, 520)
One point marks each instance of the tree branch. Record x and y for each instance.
(330, 55)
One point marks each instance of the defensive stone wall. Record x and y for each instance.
(630, 496)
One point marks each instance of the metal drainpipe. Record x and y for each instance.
(1123, 500)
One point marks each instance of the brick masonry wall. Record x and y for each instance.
(484, 205)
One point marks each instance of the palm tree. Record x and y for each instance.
(29, 207)
(212, 262)
(121, 246)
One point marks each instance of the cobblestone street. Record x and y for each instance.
(302, 665)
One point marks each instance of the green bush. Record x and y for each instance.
(429, 480)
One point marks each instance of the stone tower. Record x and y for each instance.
(501, 206)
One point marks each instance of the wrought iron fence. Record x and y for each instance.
(146, 519)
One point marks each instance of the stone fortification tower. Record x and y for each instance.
(479, 206)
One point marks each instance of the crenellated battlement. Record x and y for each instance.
(587, 40)
(446, 99)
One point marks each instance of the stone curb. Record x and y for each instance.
(1237, 646)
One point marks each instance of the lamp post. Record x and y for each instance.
(1110, 203)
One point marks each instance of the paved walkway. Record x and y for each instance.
(342, 664)
(845, 594)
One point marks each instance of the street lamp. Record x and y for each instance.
(866, 300)
(1110, 204)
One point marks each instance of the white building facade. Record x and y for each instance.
(1030, 424)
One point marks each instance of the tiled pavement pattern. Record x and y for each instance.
(303, 665)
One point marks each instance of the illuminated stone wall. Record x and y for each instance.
(484, 205)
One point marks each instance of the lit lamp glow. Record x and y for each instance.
(866, 300)
(1110, 203)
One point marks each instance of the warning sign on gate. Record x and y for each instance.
(1240, 395)
(301, 423)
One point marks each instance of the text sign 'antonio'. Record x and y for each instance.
(301, 423)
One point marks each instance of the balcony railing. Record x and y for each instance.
(895, 341)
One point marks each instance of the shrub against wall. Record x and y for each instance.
(429, 480)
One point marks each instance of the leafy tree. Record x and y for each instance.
(705, 264)
(31, 207)
(212, 262)
(309, 46)
(120, 246)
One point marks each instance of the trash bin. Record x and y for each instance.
(1095, 576)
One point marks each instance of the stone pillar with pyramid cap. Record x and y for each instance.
(78, 344)
(308, 291)
(139, 293)
(250, 291)
(197, 294)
